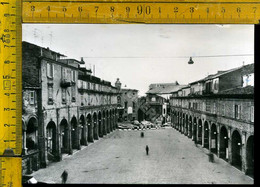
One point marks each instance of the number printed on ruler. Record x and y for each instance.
(10, 133)
(142, 11)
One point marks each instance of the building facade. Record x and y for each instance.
(218, 114)
(156, 106)
(64, 107)
(127, 100)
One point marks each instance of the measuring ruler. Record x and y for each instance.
(10, 93)
(86, 11)
(142, 11)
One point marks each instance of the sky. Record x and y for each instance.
(142, 54)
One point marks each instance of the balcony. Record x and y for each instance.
(65, 83)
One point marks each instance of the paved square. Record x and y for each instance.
(120, 157)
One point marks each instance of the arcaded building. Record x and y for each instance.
(217, 112)
(64, 106)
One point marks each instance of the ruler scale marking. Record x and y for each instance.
(147, 11)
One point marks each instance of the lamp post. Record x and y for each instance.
(190, 61)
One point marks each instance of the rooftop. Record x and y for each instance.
(166, 88)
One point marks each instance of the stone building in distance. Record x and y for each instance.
(127, 100)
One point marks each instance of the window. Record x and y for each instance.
(214, 108)
(118, 99)
(73, 94)
(73, 76)
(215, 84)
(195, 106)
(88, 99)
(63, 95)
(68, 75)
(80, 83)
(82, 99)
(208, 87)
(208, 106)
(49, 70)
(50, 94)
(84, 85)
(64, 74)
(237, 111)
(32, 97)
(126, 105)
(252, 113)
(223, 110)
(248, 80)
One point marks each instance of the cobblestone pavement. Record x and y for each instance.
(120, 157)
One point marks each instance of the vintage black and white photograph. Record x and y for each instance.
(138, 104)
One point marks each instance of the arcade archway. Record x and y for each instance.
(236, 149)
(214, 138)
(64, 132)
(206, 135)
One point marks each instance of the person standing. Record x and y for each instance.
(147, 149)
(64, 177)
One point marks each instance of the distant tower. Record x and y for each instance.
(118, 84)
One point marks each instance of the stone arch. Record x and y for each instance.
(194, 129)
(206, 135)
(183, 123)
(190, 127)
(32, 134)
(23, 136)
(223, 143)
(236, 149)
(51, 143)
(74, 133)
(113, 113)
(83, 130)
(179, 121)
(104, 123)
(186, 123)
(108, 121)
(200, 131)
(90, 128)
(111, 120)
(100, 128)
(116, 117)
(95, 122)
(64, 136)
(250, 156)
(214, 138)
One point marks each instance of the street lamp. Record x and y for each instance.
(190, 61)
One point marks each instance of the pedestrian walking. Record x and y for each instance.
(147, 149)
(64, 177)
(142, 134)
